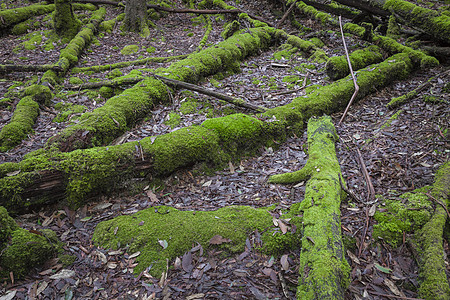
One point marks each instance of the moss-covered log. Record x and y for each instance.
(9, 17)
(69, 55)
(324, 271)
(429, 241)
(46, 176)
(24, 117)
(391, 46)
(337, 66)
(25, 114)
(428, 20)
(123, 111)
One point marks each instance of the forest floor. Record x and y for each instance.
(400, 157)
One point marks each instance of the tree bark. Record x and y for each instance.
(324, 271)
(136, 16)
(64, 21)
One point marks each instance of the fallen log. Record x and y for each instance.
(46, 176)
(121, 112)
(324, 271)
(428, 243)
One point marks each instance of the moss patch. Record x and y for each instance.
(144, 230)
(407, 214)
(129, 49)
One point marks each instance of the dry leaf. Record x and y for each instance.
(217, 240)
(372, 210)
(353, 257)
(136, 254)
(284, 262)
(392, 287)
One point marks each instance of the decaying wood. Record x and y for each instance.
(324, 272)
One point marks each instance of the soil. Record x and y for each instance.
(399, 158)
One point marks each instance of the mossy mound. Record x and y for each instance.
(26, 251)
(147, 230)
(7, 226)
(129, 49)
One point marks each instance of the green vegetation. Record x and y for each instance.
(129, 49)
(147, 230)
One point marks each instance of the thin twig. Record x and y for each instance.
(394, 296)
(439, 202)
(286, 14)
(351, 72)
(370, 188)
(366, 225)
(350, 193)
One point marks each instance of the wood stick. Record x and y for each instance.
(172, 82)
(351, 72)
(286, 14)
(181, 10)
(193, 87)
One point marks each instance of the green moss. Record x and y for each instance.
(13, 16)
(188, 106)
(429, 20)
(230, 29)
(180, 229)
(408, 214)
(129, 49)
(7, 226)
(26, 251)
(151, 49)
(20, 125)
(337, 66)
(67, 111)
(173, 120)
(237, 132)
(317, 42)
(286, 52)
(114, 73)
(75, 80)
(65, 23)
(67, 260)
(106, 92)
(393, 30)
(39, 93)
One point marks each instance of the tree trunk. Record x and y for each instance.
(65, 24)
(136, 16)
